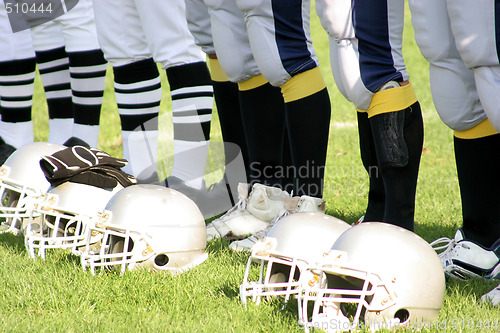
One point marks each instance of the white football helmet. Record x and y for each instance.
(21, 180)
(148, 227)
(62, 216)
(291, 244)
(377, 275)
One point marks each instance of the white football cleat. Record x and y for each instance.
(493, 296)
(465, 259)
(296, 204)
(253, 212)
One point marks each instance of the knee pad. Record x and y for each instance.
(344, 60)
(231, 41)
(390, 144)
(474, 18)
(487, 79)
(455, 96)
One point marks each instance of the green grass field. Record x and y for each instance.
(56, 295)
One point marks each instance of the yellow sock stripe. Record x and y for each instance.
(216, 72)
(252, 83)
(390, 100)
(303, 85)
(481, 130)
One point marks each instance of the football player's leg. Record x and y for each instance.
(53, 66)
(190, 85)
(336, 19)
(473, 252)
(225, 92)
(227, 100)
(308, 123)
(457, 102)
(137, 82)
(479, 19)
(262, 108)
(287, 59)
(17, 79)
(394, 112)
(263, 116)
(87, 70)
(476, 148)
(398, 140)
(17, 74)
(452, 84)
(365, 53)
(476, 154)
(138, 95)
(376, 192)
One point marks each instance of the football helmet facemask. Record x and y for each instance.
(290, 245)
(22, 180)
(377, 275)
(62, 216)
(148, 227)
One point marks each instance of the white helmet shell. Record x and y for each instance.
(393, 276)
(22, 180)
(294, 242)
(150, 227)
(63, 215)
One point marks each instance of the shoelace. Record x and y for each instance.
(444, 243)
(240, 206)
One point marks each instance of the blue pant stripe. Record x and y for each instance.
(290, 36)
(372, 31)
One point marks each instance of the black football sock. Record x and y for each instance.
(263, 113)
(376, 192)
(479, 179)
(227, 100)
(398, 138)
(288, 180)
(308, 110)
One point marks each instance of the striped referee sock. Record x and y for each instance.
(138, 95)
(192, 103)
(88, 77)
(16, 99)
(53, 66)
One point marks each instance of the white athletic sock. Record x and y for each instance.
(17, 134)
(189, 162)
(87, 133)
(141, 149)
(60, 130)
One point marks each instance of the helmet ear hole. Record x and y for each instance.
(403, 315)
(161, 260)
